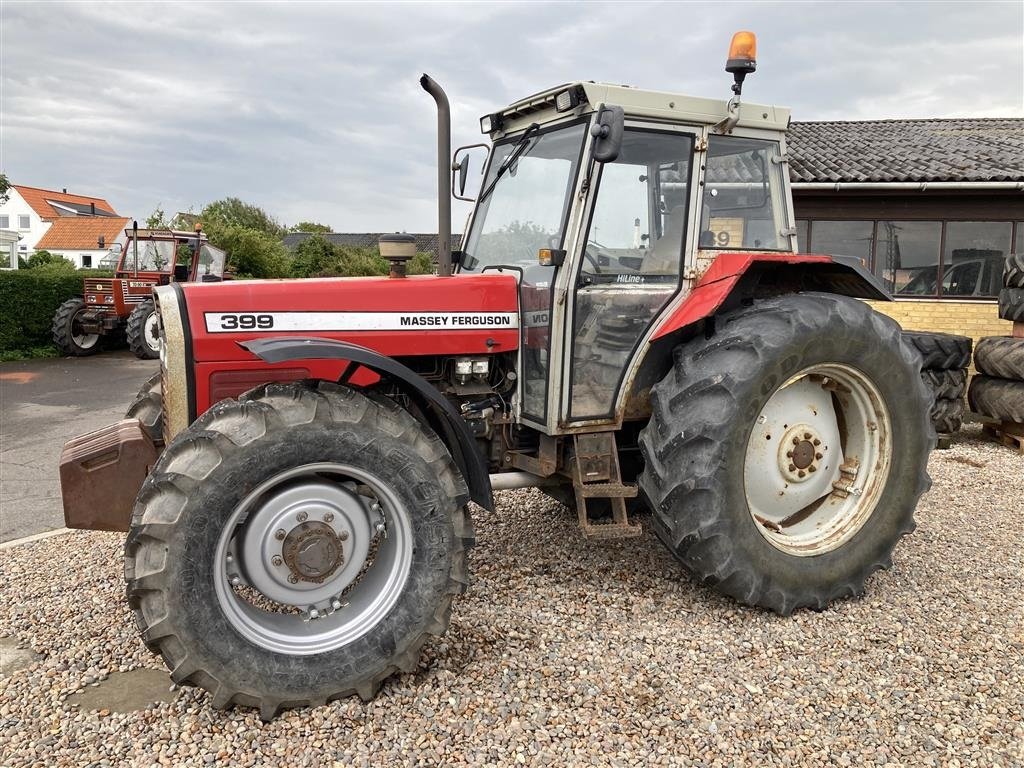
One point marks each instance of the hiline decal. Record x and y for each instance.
(228, 322)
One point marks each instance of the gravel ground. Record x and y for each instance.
(571, 653)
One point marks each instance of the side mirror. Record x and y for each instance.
(461, 168)
(607, 133)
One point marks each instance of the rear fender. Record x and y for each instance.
(443, 417)
(735, 277)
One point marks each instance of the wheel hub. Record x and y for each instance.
(313, 552)
(801, 453)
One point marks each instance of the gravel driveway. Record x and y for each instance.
(565, 653)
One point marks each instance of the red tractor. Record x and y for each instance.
(628, 327)
(124, 303)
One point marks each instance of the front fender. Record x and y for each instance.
(446, 421)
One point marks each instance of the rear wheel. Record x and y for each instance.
(68, 334)
(143, 331)
(297, 546)
(786, 453)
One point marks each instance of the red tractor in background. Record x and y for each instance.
(124, 303)
(628, 321)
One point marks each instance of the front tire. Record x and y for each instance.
(68, 334)
(143, 331)
(786, 453)
(375, 531)
(148, 408)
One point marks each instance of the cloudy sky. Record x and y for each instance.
(313, 110)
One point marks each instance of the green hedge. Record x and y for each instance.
(28, 300)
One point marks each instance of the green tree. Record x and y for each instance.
(252, 253)
(45, 259)
(313, 257)
(157, 219)
(233, 212)
(310, 226)
(5, 188)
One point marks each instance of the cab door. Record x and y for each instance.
(630, 264)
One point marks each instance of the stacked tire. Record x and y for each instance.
(998, 390)
(944, 362)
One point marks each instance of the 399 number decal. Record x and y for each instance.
(246, 322)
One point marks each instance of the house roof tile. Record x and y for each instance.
(949, 149)
(82, 232)
(38, 199)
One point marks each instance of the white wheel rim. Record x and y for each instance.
(82, 340)
(151, 332)
(817, 459)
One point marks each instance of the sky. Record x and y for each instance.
(314, 112)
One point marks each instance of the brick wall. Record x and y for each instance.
(964, 318)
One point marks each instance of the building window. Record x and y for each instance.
(801, 236)
(5, 222)
(23, 222)
(843, 238)
(1018, 241)
(86, 261)
(974, 257)
(907, 256)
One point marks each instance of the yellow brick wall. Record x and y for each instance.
(964, 318)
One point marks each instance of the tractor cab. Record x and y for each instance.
(608, 203)
(167, 255)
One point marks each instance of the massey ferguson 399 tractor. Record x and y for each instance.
(124, 303)
(628, 320)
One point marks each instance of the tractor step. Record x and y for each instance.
(596, 475)
(608, 490)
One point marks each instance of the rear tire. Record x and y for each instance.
(206, 516)
(1000, 399)
(1001, 357)
(68, 336)
(706, 425)
(940, 351)
(1013, 271)
(142, 331)
(1011, 304)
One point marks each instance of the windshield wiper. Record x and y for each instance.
(517, 151)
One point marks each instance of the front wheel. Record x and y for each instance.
(69, 335)
(143, 331)
(297, 546)
(786, 453)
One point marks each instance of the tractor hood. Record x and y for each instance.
(424, 315)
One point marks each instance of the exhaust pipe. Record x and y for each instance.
(444, 152)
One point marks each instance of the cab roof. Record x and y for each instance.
(636, 102)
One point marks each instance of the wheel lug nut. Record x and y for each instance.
(792, 467)
(328, 517)
(343, 535)
(336, 604)
(807, 435)
(292, 578)
(789, 454)
(817, 442)
(801, 473)
(276, 560)
(314, 613)
(280, 534)
(812, 468)
(301, 517)
(796, 441)
(817, 455)
(235, 581)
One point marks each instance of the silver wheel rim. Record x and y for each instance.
(82, 340)
(321, 509)
(817, 459)
(151, 332)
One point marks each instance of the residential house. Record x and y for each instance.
(89, 242)
(30, 212)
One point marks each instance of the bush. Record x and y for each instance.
(317, 257)
(41, 259)
(252, 253)
(28, 301)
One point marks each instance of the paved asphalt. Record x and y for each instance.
(43, 403)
